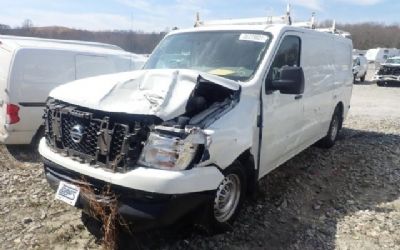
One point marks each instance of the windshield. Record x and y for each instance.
(393, 60)
(231, 54)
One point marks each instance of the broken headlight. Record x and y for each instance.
(171, 152)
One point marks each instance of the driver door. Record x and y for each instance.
(283, 118)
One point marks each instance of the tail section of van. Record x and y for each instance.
(31, 68)
(9, 112)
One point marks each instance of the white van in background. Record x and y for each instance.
(216, 108)
(380, 55)
(360, 68)
(31, 67)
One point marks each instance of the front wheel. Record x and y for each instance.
(227, 202)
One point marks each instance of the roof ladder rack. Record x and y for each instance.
(284, 19)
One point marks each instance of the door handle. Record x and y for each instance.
(298, 97)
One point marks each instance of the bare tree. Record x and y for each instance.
(27, 24)
(4, 27)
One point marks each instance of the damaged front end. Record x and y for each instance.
(388, 72)
(98, 138)
(120, 142)
(173, 148)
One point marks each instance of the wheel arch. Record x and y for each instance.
(38, 135)
(340, 105)
(247, 161)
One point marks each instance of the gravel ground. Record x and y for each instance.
(347, 197)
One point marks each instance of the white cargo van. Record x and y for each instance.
(216, 108)
(31, 67)
(380, 55)
(360, 68)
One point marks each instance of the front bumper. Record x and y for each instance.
(141, 178)
(387, 78)
(143, 210)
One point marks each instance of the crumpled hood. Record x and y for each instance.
(163, 93)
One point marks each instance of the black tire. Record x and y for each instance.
(380, 83)
(334, 127)
(362, 79)
(213, 220)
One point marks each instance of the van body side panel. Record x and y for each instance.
(344, 73)
(327, 64)
(328, 79)
(319, 71)
(35, 72)
(93, 65)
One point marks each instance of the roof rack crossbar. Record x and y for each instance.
(269, 20)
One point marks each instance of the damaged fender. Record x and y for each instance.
(235, 133)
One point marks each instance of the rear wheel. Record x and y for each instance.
(380, 83)
(362, 79)
(334, 128)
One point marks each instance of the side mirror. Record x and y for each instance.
(291, 81)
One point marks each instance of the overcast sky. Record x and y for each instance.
(157, 15)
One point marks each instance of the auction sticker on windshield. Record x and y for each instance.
(67, 193)
(260, 38)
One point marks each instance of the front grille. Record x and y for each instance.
(88, 145)
(389, 70)
(117, 141)
(112, 141)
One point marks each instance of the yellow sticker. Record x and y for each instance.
(221, 72)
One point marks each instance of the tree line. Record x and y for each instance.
(373, 35)
(365, 35)
(133, 41)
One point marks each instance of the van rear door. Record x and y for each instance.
(5, 62)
